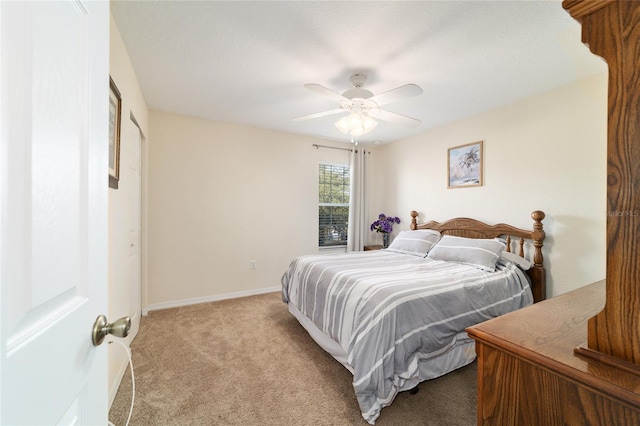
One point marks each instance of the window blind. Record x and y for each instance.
(333, 206)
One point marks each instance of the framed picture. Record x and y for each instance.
(465, 165)
(115, 112)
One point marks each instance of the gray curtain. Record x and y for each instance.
(358, 226)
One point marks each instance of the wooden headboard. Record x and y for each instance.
(471, 228)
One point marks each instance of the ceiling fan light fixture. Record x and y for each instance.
(359, 102)
(356, 124)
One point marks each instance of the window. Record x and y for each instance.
(333, 206)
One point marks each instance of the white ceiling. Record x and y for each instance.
(246, 61)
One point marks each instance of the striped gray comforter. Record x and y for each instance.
(388, 310)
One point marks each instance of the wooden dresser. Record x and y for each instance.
(528, 373)
(575, 359)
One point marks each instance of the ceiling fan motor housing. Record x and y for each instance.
(358, 81)
(357, 93)
(358, 104)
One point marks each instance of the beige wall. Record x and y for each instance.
(545, 153)
(222, 195)
(124, 269)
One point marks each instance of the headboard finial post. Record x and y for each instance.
(538, 236)
(538, 216)
(414, 220)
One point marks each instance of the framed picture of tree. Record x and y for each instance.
(464, 164)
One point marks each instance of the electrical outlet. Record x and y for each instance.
(252, 264)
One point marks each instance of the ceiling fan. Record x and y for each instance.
(361, 104)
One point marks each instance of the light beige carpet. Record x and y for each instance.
(248, 362)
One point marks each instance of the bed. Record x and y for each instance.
(396, 317)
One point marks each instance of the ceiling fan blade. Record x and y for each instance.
(325, 92)
(393, 95)
(393, 117)
(319, 114)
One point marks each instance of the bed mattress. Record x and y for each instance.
(383, 314)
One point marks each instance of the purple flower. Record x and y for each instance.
(384, 223)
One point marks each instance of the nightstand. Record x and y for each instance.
(373, 247)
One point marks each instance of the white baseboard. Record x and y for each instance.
(196, 300)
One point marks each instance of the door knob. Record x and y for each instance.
(101, 328)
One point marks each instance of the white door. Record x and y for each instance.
(54, 82)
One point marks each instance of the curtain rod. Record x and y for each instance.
(331, 147)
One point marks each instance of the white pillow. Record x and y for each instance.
(480, 253)
(519, 261)
(416, 243)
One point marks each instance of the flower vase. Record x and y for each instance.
(385, 240)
